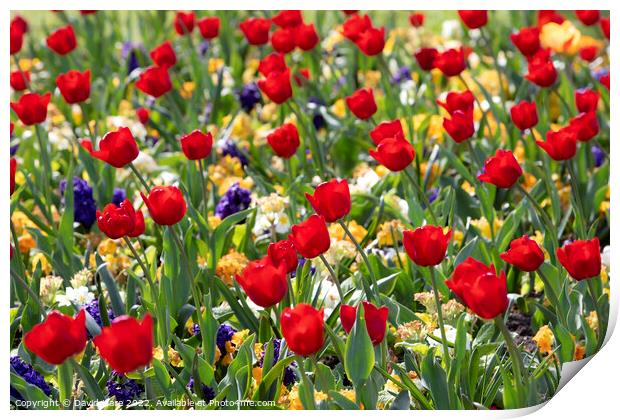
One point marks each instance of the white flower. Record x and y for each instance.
(606, 257)
(366, 181)
(78, 296)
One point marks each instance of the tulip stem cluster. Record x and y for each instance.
(517, 362)
(147, 272)
(364, 257)
(442, 327)
(333, 276)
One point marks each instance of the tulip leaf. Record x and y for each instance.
(359, 353)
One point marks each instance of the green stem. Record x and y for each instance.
(440, 317)
(517, 361)
(364, 257)
(598, 311)
(48, 171)
(32, 294)
(333, 277)
(579, 208)
(422, 196)
(146, 271)
(543, 215)
(65, 383)
(140, 178)
(203, 186)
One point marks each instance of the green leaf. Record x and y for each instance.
(359, 353)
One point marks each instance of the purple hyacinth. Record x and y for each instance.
(433, 193)
(235, 200)
(403, 74)
(207, 391)
(28, 374)
(289, 373)
(123, 388)
(92, 308)
(229, 148)
(224, 334)
(248, 96)
(599, 156)
(84, 205)
(118, 196)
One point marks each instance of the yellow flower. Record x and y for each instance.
(485, 228)
(339, 108)
(295, 402)
(544, 339)
(26, 242)
(230, 265)
(173, 355)
(435, 125)
(215, 64)
(468, 188)
(388, 231)
(41, 259)
(107, 247)
(580, 351)
(337, 232)
(371, 78)
(592, 320)
(457, 237)
(186, 89)
(214, 221)
(562, 38)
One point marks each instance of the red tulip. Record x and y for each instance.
(458, 101)
(586, 100)
(605, 80)
(527, 40)
(13, 170)
(540, 69)
(288, 18)
(284, 140)
(605, 27)
(524, 115)
(376, 319)
(395, 153)
(17, 39)
(163, 55)
(416, 19)
(143, 115)
(184, 22)
(58, 337)
(581, 258)
(263, 282)
(273, 63)
(306, 36)
(355, 25)
(277, 86)
(525, 254)
(426, 245)
(387, 129)
(74, 86)
(197, 145)
(302, 328)
(310, 237)
(331, 200)
(588, 53)
(585, 125)
(256, 30)
(371, 41)
(588, 17)
(117, 222)
(166, 205)
(62, 41)
(118, 148)
(451, 62)
(283, 40)
(31, 108)
(426, 58)
(126, 344)
(480, 288)
(209, 27)
(473, 19)
(460, 126)
(547, 16)
(20, 24)
(501, 170)
(283, 251)
(154, 81)
(561, 144)
(19, 80)
(362, 103)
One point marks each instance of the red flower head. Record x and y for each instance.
(331, 200)
(284, 140)
(362, 103)
(302, 328)
(460, 126)
(184, 22)
(416, 19)
(166, 205)
(371, 41)
(209, 27)
(473, 19)
(561, 144)
(288, 18)
(196, 145)
(17, 38)
(527, 40)
(426, 58)
(525, 254)
(13, 170)
(19, 79)
(74, 86)
(585, 125)
(547, 16)
(310, 237)
(588, 53)
(283, 251)
(163, 55)
(306, 36)
(605, 80)
(581, 258)
(387, 129)
(588, 17)
(273, 63)
(355, 25)
(20, 24)
(118, 148)
(451, 62)
(58, 337)
(62, 41)
(458, 101)
(376, 320)
(31, 108)
(283, 40)
(154, 81)
(480, 288)
(524, 115)
(605, 27)
(501, 170)
(117, 222)
(426, 245)
(256, 30)
(263, 282)
(143, 115)
(540, 69)
(395, 153)
(126, 344)
(586, 100)
(277, 86)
